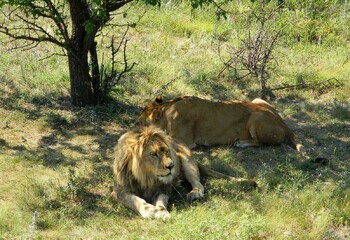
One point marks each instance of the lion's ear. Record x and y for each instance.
(159, 99)
(156, 115)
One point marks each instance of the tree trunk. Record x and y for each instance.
(84, 89)
(85, 78)
(82, 93)
(95, 73)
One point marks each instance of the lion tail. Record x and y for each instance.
(291, 142)
(204, 170)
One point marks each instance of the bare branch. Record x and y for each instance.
(128, 24)
(160, 90)
(115, 76)
(58, 19)
(30, 31)
(53, 54)
(114, 5)
(254, 54)
(309, 85)
(219, 10)
(37, 39)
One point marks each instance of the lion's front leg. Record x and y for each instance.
(136, 203)
(192, 175)
(161, 204)
(196, 193)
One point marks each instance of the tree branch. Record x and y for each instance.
(114, 5)
(58, 19)
(30, 30)
(114, 76)
(305, 85)
(38, 39)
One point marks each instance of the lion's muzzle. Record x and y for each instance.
(169, 165)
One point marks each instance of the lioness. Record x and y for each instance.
(198, 121)
(147, 163)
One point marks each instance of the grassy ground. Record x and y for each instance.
(55, 160)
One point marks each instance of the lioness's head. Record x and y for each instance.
(148, 156)
(151, 113)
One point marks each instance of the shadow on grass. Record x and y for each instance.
(61, 122)
(71, 138)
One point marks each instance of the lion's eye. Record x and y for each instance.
(165, 151)
(153, 154)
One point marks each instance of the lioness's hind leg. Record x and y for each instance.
(252, 142)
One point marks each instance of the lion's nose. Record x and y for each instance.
(169, 165)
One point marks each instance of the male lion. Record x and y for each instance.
(147, 163)
(198, 121)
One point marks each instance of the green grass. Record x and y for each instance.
(55, 160)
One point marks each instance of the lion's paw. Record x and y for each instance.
(148, 210)
(162, 214)
(195, 194)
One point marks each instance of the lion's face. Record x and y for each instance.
(150, 114)
(158, 159)
(147, 155)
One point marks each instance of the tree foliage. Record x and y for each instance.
(73, 26)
